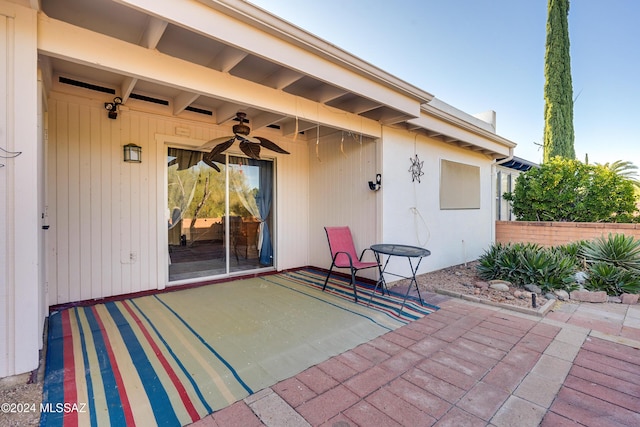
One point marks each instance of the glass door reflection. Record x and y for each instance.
(218, 222)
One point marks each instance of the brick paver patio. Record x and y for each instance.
(469, 365)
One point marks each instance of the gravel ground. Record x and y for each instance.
(463, 279)
(20, 401)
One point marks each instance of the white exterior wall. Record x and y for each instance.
(340, 167)
(291, 207)
(411, 213)
(20, 290)
(101, 210)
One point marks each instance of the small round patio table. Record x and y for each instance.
(414, 254)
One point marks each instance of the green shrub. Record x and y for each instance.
(569, 190)
(525, 263)
(503, 261)
(612, 264)
(573, 250)
(612, 279)
(617, 249)
(548, 269)
(488, 265)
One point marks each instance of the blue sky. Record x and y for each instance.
(480, 55)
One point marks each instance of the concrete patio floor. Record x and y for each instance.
(469, 365)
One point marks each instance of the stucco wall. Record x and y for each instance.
(411, 210)
(558, 233)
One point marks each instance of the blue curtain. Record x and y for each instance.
(263, 200)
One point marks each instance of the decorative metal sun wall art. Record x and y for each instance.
(416, 169)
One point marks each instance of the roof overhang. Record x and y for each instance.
(224, 56)
(439, 121)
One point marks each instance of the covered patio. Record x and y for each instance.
(89, 79)
(467, 364)
(176, 357)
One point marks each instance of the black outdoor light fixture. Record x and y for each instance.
(132, 153)
(112, 107)
(375, 186)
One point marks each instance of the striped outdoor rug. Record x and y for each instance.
(172, 358)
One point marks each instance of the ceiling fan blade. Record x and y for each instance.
(215, 154)
(250, 149)
(249, 139)
(221, 147)
(208, 160)
(219, 158)
(214, 142)
(271, 145)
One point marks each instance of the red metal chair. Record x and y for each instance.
(343, 255)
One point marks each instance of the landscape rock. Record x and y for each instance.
(498, 281)
(533, 288)
(499, 287)
(629, 298)
(549, 295)
(481, 285)
(561, 294)
(614, 299)
(587, 296)
(580, 277)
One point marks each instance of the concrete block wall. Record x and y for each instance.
(558, 233)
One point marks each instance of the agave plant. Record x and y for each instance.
(572, 249)
(548, 269)
(616, 249)
(488, 267)
(525, 263)
(612, 279)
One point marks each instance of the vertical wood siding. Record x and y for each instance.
(291, 204)
(105, 215)
(340, 167)
(21, 287)
(102, 211)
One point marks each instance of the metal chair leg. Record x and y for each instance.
(353, 282)
(327, 278)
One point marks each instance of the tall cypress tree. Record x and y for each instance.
(558, 90)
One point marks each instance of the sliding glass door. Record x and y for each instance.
(219, 222)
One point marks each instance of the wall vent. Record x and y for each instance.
(86, 85)
(97, 88)
(199, 111)
(148, 99)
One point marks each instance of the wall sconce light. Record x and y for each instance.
(375, 186)
(112, 107)
(132, 153)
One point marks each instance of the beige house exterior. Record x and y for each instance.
(78, 223)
